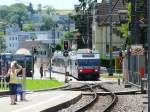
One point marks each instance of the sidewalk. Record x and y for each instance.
(40, 101)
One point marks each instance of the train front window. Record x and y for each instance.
(89, 62)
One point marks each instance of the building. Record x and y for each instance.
(101, 29)
(16, 39)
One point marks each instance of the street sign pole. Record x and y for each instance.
(148, 38)
(110, 35)
(65, 53)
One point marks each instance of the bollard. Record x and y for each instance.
(118, 79)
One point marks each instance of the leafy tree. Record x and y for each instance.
(18, 14)
(50, 10)
(82, 11)
(2, 44)
(39, 8)
(58, 47)
(28, 27)
(4, 10)
(124, 28)
(30, 8)
(48, 23)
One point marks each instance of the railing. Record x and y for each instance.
(3, 84)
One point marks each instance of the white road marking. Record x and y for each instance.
(34, 105)
(31, 95)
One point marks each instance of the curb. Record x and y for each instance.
(63, 105)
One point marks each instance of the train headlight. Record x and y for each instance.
(96, 70)
(81, 70)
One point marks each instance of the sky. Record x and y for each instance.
(57, 4)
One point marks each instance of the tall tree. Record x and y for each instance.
(30, 8)
(2, 44)
(48, 23)
(18, 14)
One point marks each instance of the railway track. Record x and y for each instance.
(91, 91)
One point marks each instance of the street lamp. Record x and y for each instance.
(50, 64)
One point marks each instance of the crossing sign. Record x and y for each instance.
(65, 53)
(137, 50)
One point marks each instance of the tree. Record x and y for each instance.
(2, 44)
(58, 47)
(28, 27)
(50, 10)
(39, 8)
(81, 21)
(48, 23)
(30, 8)
(4, 10)
(18, 14)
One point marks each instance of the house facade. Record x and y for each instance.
(101, 28)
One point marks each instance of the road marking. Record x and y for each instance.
(34, 105)
(30, 95)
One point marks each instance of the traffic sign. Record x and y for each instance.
(65, 53)
(137, 50)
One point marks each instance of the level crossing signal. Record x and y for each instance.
(66, 45)
(66, 48)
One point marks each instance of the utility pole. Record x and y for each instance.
(50, 64)
(87, 42)
(110, 34)
(148, 38)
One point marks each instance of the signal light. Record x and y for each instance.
(66, 45)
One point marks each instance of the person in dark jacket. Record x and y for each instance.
(41, 71)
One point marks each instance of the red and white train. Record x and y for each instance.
(83, 64)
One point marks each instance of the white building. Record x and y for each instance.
(16, 39)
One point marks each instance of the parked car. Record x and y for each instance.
(103, 69)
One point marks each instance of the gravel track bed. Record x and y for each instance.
(130, 103)
(114, 87)
(126, 103)
(83, 101)
(101, 104)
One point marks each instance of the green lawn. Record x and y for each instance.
(38, 84)
(42, 84)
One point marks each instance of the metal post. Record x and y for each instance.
(66, 77)
(87, 42)
(110, 43)
(148, 38)
(32, 62)
(50, 62)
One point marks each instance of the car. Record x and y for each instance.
(103, 69)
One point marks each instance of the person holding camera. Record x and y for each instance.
(12, 73)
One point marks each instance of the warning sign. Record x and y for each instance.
(137, 50)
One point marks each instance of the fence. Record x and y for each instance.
(3, 84)
(134, 64)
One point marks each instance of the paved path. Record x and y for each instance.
(38, 101)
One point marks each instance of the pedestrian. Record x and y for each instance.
(41, 70)
(12, 73)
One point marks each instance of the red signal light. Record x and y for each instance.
(66, 45)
